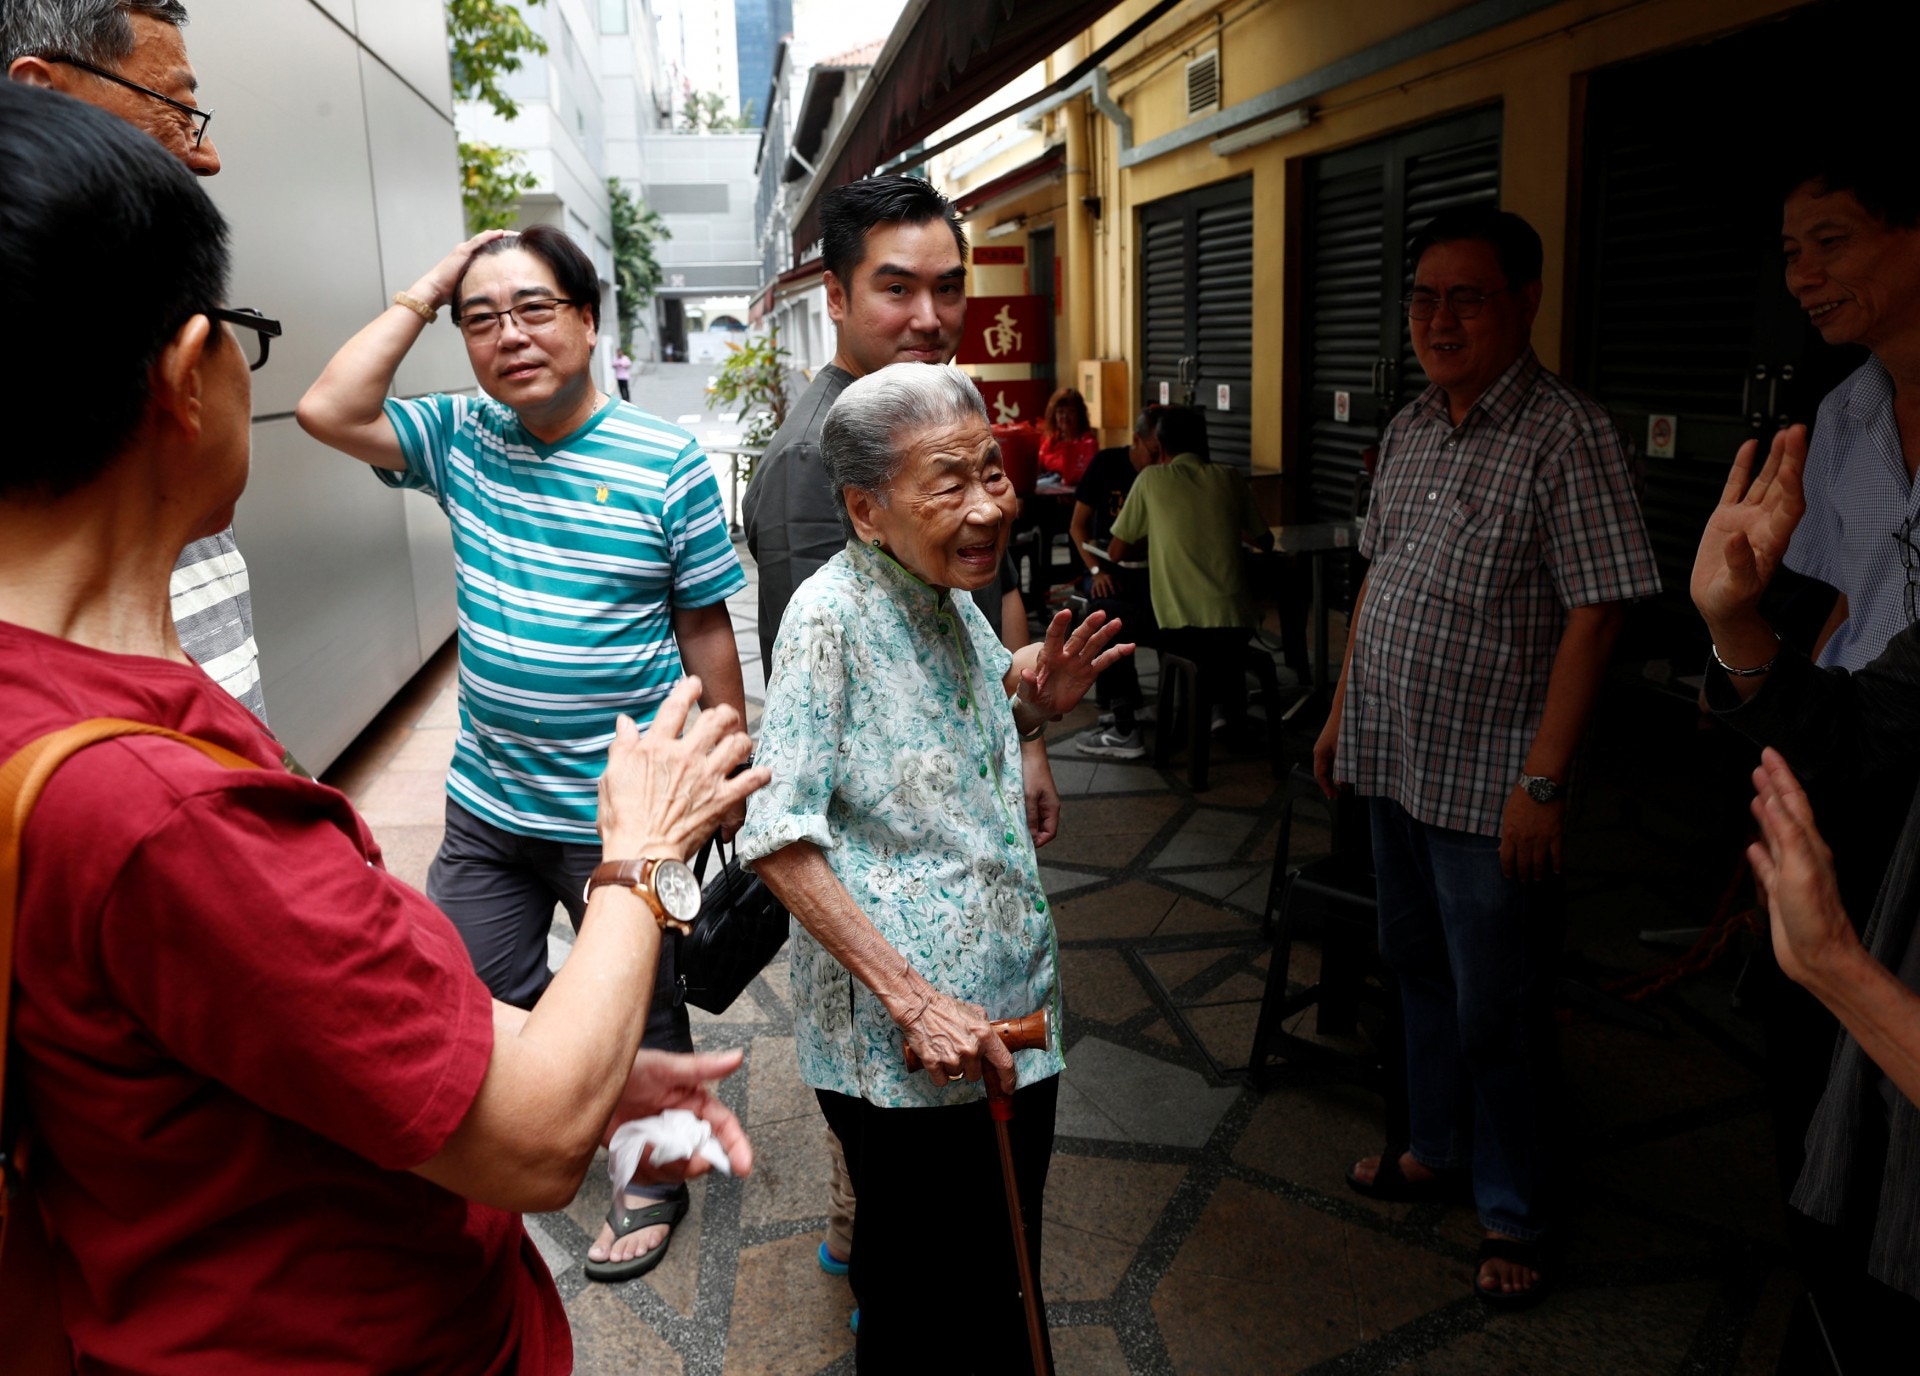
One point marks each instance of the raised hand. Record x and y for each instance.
(436, 286)
(664, 791)
(1811, 932)
(1747, 535)
(1061, 668)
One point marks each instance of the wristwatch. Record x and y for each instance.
(667, 886)
(1540, 788)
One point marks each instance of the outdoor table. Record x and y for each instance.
(1316, 540)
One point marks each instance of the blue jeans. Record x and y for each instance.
(1475, 954)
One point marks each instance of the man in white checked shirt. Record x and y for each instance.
(127, 57)
(1504, 542)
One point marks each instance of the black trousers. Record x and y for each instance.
(933, 1263)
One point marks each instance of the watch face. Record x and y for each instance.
(1542, 790)
(678, 890)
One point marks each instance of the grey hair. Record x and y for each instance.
(861, 442)
(94, 31)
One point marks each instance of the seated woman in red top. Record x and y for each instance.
(1070, 443)
(277, 1122)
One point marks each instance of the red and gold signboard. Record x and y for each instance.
(999, 256)
(1005, 329)
(1010, 403)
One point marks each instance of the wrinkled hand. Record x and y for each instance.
(1747, 535)
(1324, 747)
(664, 792)
(954, 1040)
(1066, 665)
(1102, 584)
(1043, 798)
(661, 1080)
(436, 287)
(1811, 932)
(1530, 837)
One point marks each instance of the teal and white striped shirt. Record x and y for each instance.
(569, 561)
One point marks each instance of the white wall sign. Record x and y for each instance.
(1661, 433)
(1223, 398)
(1166, 393)
(1343, 406)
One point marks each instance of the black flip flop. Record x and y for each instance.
(1528, 1254)
(624, 1220)
(1390, 1183)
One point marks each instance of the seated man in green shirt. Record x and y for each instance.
(1194, 515)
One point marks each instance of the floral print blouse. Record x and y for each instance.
(893, 749)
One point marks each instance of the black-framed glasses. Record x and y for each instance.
(1463, 303)
(260, 331)
(529, 315)
(1910, 561)
(201, 118)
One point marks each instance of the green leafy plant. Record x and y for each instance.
(486, 40)
(706, 113)
(492, 181)
(754, 374)
(637, 228)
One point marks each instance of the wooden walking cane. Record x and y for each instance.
(1017, 1034)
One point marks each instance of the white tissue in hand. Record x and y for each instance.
(675, 1135)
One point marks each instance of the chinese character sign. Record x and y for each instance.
(1011, 403)
(1006, 329)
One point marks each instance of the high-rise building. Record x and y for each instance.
(758, 27)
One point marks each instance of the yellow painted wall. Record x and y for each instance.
(1528, 67)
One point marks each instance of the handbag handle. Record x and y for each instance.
(22, 778)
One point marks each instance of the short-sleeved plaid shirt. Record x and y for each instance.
(1482, 535)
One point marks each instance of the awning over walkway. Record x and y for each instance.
(943, 58)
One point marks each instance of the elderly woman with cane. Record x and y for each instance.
(894, 829)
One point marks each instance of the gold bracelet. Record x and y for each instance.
(417, 306)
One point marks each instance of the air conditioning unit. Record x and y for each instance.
(1203, 84)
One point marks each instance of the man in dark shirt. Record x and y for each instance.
(896, 275)
(1119, 592)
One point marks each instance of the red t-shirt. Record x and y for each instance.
(234, 1033)
(1069, 458)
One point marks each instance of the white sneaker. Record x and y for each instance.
(1110, 744)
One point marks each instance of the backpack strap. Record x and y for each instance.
(22, 778)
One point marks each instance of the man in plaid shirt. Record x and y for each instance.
(1505, 540)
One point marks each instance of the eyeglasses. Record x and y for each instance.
(1463, 303)
(1910, 560)
(528, 315)
(201, 118)
(260, 331)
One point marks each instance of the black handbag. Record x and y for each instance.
(742, 927)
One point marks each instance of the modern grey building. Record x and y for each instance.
(342, 185)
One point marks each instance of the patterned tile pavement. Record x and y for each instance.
(1195, 1225)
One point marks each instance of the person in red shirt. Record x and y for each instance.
(1070, 442)
(277, 1123)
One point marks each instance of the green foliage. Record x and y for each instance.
(755, 374)
(706, 113)
(491, 184)
(637, 228)
(485, 41)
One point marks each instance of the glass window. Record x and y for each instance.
(613, 16)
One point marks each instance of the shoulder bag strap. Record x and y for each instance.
(22, 778)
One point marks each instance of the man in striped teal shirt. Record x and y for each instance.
(592, 567)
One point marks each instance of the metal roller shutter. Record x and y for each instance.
(1196, 310)
(1363, 207)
